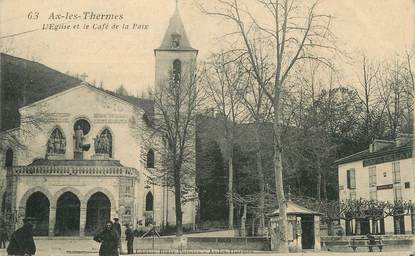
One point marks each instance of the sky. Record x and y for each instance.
(381, 28)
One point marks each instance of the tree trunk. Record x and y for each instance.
(357, 227)
(178, 202)
(243, 223)
(330, 228)
(396, 225)
(282, 242)
(253, 227)
(318, 185)
(413, 220)
(374, 226)
(260, 183)
(230, 191)
(324, 187)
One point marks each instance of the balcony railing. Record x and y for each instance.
(73, 171)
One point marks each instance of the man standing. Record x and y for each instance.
(117, 229)
(109, 241)
(129, 236)
(3, 236)
(21, 241)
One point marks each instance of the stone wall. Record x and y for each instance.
(204, 243)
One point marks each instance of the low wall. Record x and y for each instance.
(230, 243)
(391, 242)
(203, 243)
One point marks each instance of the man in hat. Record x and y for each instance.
(117, 229)
(21, 241)
(129, 236)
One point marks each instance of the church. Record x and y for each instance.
(74, 156)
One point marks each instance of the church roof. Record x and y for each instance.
(24, 82)
(146, 104)
(176, 27)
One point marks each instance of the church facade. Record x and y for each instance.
(74, 156)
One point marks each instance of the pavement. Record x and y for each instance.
(63, 253)
(77, 247)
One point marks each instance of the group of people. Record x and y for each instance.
(22, 243)
(110, 239)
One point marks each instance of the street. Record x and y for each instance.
(78, 247)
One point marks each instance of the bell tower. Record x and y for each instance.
(175, 53)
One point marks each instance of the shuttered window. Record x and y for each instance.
(396, 170)
(351, 179)
(372, 176)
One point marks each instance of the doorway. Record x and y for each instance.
(307, 232)
(37, 207)
(98, 213)
(67, 215)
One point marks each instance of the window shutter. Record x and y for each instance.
(396, 172)
(352, 178)
(348, 179)
(372, 176)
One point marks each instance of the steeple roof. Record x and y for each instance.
(175, 28)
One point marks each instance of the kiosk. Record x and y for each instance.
(303, 227)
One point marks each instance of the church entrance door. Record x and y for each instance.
(67, 215)
(97, 213)
(37, 206)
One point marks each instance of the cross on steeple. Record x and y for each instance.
(83, 77)
(177, 4)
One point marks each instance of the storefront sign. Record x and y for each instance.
(383, 187)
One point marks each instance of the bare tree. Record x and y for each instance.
(396, 96)
(223, 83)
(176, 101)
(258, 108)
(293, 31)
(368, 82)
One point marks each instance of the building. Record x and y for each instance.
(74, 156)
(384, 172)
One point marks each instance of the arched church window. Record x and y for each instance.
(56, 142)
(175, 40)
(149, 202)
(150, 158)
(9, 158)
(177, 70)
(103, 143)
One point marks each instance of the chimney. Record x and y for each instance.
(380, 144)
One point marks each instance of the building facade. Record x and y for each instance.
(384, 172)
(74, 156)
